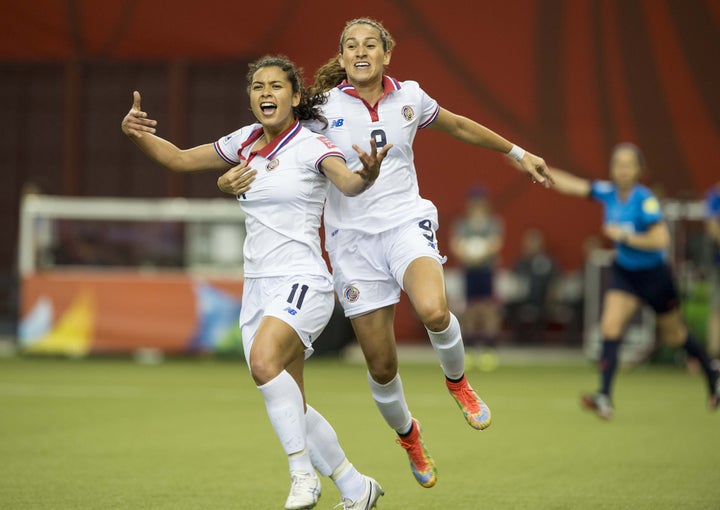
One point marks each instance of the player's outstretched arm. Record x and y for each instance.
(352, 183)
(570, 184)
(141, 130)
(469, 131)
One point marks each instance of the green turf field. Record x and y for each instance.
(106, 434)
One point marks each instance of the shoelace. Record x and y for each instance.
(468, 398)
(415, 451)
(303, 482)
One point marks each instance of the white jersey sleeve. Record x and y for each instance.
(228, 147)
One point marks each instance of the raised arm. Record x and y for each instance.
(352, 183)
(469, 131)
(570, 184)
(141, 130)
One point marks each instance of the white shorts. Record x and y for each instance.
(368, 269)
(305, 303)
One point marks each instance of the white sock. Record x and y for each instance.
(390, 401)
(349, 481)
(329, 458)
(325, 450)
(449, 347)
(284, 404)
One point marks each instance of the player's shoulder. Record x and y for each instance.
(307, 136)
(242, 134)
(648, 201)
(713, 194)
(408, 88)
(409, 84)
(643, 192)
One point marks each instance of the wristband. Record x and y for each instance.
(517, 153)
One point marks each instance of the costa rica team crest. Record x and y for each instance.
(408, 113)
(351, 293)
(272, 165)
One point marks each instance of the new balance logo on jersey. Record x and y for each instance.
(337, 123)
(291, 311)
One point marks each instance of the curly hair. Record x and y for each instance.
(309, 106)
(331, 74)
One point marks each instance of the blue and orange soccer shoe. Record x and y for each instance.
(421, 463)
(476, 412)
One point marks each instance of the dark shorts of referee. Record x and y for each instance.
(479, 283)
(655, 286)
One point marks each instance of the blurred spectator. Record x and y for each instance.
(476, 241)
(713, 231)
(567, 300)
(537, 273)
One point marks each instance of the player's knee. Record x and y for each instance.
(611, 330)
(435, 318)
(263, 370)
(383, 371)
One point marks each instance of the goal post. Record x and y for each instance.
(119, 275)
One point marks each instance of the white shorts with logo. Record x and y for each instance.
(305, 303)
(368, 269)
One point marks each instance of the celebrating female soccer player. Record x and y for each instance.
(384, 241)
(639, 273)
(288, 295)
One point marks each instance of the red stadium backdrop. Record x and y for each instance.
(566, 79)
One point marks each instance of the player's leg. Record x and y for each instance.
(368, 294)
(674, 332)
(618, 307)
(328, 457)
(424, 284)
(376, 336)
(295, 312)
(276, 361)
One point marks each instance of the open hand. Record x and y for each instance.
(371, 162)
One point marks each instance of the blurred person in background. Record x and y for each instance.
(712, 227)
(383, 242)
(640, 272)
(477, 239)
(287, 292)
(536, 272)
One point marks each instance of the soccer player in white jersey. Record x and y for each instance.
(287, 294)
(384, 241)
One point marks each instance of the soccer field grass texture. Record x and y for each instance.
(106, 434)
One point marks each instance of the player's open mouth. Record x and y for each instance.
(268, 108)
(362, 65)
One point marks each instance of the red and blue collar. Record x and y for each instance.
(270, 150)
(389, 84)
